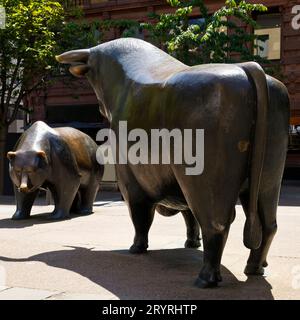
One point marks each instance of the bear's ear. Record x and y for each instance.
(41, 154)
(11, 155)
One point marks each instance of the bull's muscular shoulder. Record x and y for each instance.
(144, 64)
(141, 62)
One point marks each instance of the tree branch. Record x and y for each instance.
(3, 80)
(12, 81)
(16, 106)
(22, 94)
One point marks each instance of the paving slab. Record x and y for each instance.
(86, 257)
(80, 296)
(25, 294)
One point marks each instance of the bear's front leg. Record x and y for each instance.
(64, 194)
(24, 204)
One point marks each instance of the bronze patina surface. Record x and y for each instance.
(62, 160)
(245, 116)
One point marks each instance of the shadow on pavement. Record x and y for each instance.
(159, 274)
(35, 219)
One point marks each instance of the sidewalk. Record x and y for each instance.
(87, 257)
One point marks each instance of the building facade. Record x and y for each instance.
(76, 104)
(280, 26)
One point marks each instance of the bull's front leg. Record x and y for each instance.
(141, 213)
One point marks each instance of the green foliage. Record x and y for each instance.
(36, 30)
(27, 45)
(207, 41)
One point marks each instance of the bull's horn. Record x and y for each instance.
(74, 56)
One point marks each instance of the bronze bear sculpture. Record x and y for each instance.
(245, 116)
(62, 160)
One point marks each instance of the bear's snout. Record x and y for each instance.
(24, 184)
(24, 188)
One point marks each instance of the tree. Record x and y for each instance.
(212, 38)
(27, 45)
(35, 31)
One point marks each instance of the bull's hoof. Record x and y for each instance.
(19, 215)
(194, 244)
(59, 215)
(265, 264)
(254, 270)
(204, 284)
(138, 249)
(208, 280)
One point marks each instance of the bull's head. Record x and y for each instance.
(81, 65)
(78, 59)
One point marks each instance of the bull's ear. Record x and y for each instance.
(80, 70)
(78, 60)
(11, 155)
(41, 154)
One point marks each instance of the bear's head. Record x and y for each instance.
(28, 169)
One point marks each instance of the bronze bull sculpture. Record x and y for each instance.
(245, 116)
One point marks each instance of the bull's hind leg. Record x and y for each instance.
(214, 240)
(215, 221)
(267, 208)
(213, 208)
(192, 225)
(214, 218)
(141, 213)
(192, 230)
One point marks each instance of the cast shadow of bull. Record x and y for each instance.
(159, 274)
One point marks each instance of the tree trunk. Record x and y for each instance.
(3, 138)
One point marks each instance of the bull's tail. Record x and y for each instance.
(253, 227)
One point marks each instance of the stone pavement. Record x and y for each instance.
(87, 258)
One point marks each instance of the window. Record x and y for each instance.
(199, 21)
(269, 30)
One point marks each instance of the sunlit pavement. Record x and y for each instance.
(86, 257)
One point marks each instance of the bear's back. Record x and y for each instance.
(81, 145)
